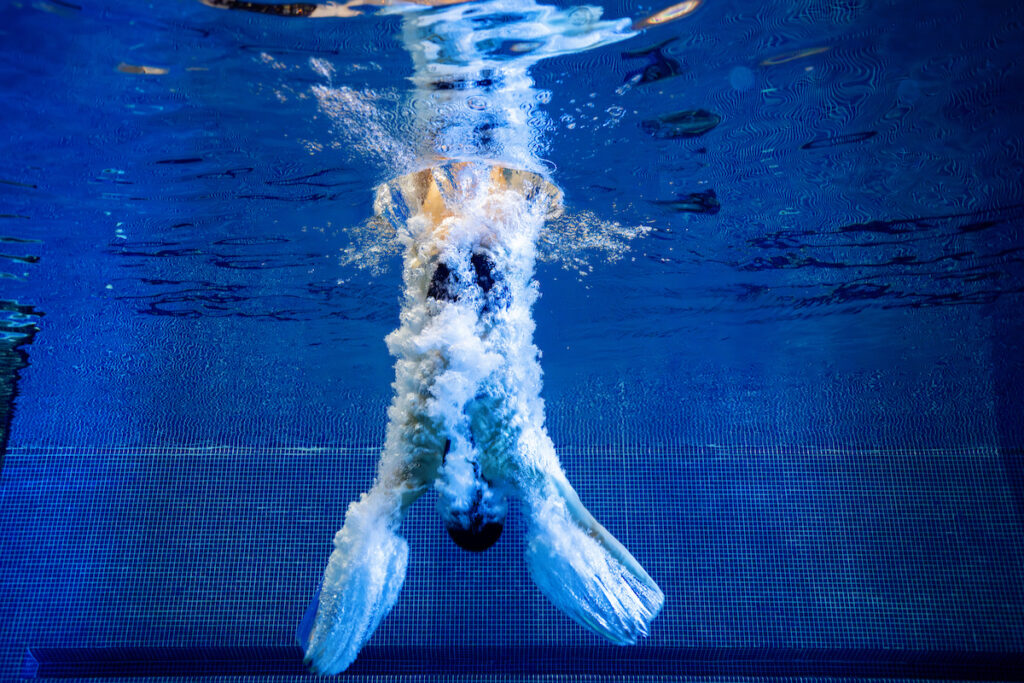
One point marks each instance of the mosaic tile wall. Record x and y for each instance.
(755, 548)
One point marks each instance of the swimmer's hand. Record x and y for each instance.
(584, 570)
(361, 584)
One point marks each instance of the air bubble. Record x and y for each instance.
(581, 16)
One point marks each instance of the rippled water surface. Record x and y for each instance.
(843, 188)
(786, 286)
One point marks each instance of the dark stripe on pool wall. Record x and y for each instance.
(15, 183)
(678, 125)
(595, 661)
(695, 202)
(190, 160)
(17, 329)
(837, 140)
(659, 65)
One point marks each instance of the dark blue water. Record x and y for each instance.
(797, 399)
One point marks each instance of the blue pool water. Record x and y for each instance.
(780, 326)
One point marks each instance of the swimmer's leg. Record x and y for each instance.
(581, 568)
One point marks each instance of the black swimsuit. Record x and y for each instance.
(444, 283)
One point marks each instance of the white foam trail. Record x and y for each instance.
(467, 372)
(475, 98)
(467, 417)
(361, 583)
(582, 569)
(360, 123)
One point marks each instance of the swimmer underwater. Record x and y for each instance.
(467, 419)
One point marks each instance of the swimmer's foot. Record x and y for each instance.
(584, 570)
(361, 584)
